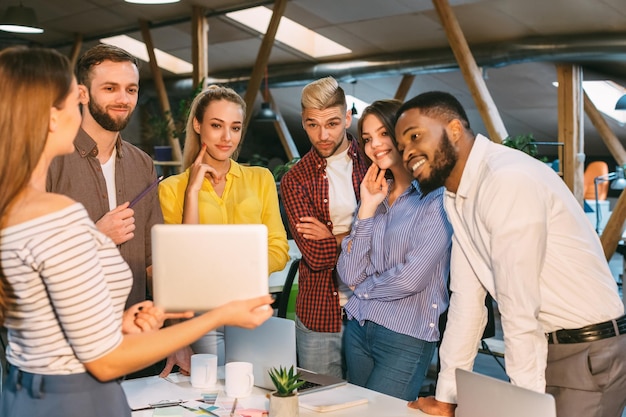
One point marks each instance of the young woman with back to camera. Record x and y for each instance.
(64, 284)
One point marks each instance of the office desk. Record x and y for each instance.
(379, 405)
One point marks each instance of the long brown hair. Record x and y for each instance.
(198, 107)
(385, 111)
(32, 81)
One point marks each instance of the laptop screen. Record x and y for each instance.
(483, 396)
(271, 345)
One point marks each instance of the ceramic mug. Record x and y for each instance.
(203, 370)
(239, 379)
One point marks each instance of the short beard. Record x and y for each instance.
(332, 152)
(107, 122)
(444, 160)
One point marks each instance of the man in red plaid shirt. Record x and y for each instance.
(320, 194)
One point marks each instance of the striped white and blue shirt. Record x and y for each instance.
(67, 285)
(398, 263)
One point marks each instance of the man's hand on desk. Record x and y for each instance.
(182, 358)
(431, 406)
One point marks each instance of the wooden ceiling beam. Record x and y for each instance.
(472, 74)
(404, 87)
(283, 131)
(570, 126)
(262, 59)
(159, 86)
(615, 226)
(599, 122)
(76, 47)
(199, 45)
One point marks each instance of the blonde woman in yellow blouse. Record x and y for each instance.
(214, 189)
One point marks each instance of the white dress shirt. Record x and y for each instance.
(519, 234)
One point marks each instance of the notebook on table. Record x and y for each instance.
(483, 396)
(199, 267)
(270, 345)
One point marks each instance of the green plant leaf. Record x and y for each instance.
(286, 381)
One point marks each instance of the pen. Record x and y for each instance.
(232, 411)
(159, 404)
(144, 192)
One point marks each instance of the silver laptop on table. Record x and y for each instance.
(483, 396)
(199, 267)
(270, 345)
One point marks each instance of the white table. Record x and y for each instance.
(378, 404)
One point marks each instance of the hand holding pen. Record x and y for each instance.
(119, 223)
(145, 192)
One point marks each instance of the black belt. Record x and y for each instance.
(344, 315)
(589, 333)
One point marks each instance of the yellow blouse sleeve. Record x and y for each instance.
(172, 197)
(277, 237)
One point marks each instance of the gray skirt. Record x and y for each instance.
(78, 395)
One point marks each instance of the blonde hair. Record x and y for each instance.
(197, 110)
(322, 94)
(32, 81)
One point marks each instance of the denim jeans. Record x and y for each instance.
(75, 395)
(319, 352)
(385, 361)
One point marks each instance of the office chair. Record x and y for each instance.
(285, 295)
(593, 170)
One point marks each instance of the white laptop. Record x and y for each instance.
(270, 345)
(199, 267)
(483, 396)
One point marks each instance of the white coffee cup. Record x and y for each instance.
(239, 379)
(203, 370)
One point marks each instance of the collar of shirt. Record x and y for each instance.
(471, 170)
(234, 170)
(86, 146)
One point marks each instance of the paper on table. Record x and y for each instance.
(142, 392)
(330, 400)
(259, 402)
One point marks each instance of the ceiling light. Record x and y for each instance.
(357, 104)
(20, 19)
(151, 1)
(621, 103)
(266, 114)
(604, 94)
(289, 32)
(620, 181)
(137, 48)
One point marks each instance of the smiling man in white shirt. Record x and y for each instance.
(520, 235)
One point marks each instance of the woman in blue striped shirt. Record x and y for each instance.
(397, 260)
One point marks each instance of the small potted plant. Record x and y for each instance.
(284, 401)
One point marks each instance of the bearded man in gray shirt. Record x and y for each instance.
(105, 172)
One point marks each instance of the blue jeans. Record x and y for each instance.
(76, 395)
(319, 352)
(385, 361)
